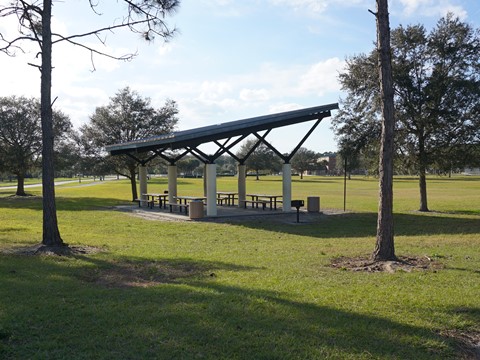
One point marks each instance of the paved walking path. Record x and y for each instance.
(84, 182)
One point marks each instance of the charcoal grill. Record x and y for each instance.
(297, 204)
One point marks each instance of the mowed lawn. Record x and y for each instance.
(242, 290)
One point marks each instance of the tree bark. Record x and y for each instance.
(133, 183)
(422, 182)
(384, 248)
(20, 185)
(422, 171)
(51, 234)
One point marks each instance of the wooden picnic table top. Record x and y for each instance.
(265, 195)
(190, 197)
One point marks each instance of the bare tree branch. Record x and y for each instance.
(94, 32)
(11, 44)
(126, 57)
(93, 6)
(29, 16)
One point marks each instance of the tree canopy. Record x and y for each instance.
(261, 158)
(436, 79)
(127, 117)
(21, 135)
(304, 159)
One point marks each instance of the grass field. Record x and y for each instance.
(249, 290)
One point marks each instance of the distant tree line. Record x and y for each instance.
(128, 116)
(80, 152)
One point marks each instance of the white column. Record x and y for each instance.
(142, 175)
(287, 187)
(205, 180)
(242, 184)
(211, 189)
(172, 183)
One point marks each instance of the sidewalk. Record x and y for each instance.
(84, 182)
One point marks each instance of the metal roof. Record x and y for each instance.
(195, 137)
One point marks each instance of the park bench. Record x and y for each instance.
(255, 203)
(179, 206)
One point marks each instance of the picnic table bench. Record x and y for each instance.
(271, 200)
(180, 206)
(150, 203)
(255, 203)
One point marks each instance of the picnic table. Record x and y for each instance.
(185, 199)
(272, 200)
(228, 196)
(162, 198)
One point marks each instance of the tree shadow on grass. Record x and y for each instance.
(355, 225)
(50, 310)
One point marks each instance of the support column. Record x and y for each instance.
(287, 187)
(205, 180)
(242, 184)
(172, 184)
(142, 175)
(211, 189)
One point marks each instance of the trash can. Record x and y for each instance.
(313, 204)
(196, 209)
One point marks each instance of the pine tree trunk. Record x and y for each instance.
(51, 234)
(384, 248)
(20, 185)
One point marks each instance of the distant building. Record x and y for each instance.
(327, 164)
(471, 171)
(331, 160)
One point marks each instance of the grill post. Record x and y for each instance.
(297, 204)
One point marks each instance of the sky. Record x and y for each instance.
(230, 59)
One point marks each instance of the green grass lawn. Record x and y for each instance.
(249, 290)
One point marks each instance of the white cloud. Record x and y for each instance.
(259, 89)
(316, 6)
(321, 77)
(411, 6)
(213, 90)
(432, 8)
(165, 49)
(282, 107)
(312, 7)
(228, 8)
(217, 3)
(254, 95)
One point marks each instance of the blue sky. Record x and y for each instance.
(231, 59)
